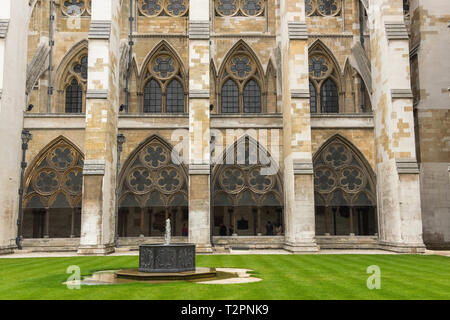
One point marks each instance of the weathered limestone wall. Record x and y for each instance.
(298, 173)
(400, 222)
(99, 181)
(14, 15)
(430, 43)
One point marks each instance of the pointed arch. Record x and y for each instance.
(53, 187)
(325, 75)
(242, 65)
(163, 65)
(345, 190)
(79, 48)
(213, 85)
(153, 186)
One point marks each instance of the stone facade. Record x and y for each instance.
(345, 104)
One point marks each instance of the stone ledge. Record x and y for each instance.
(407, 166)
(100, 29)
(302, 167)
(97, 94)
(198, 94)
(401, 94)
(297, 31)
(199, 168)
(299, 94)
(4, 24)
(396, 31)
(94, 167)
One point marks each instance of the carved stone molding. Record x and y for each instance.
(100, 29)
(408, 166)
(199, 30)
(297, 31)
(199, 168)
(97, 94)
(302, 167)
(396, 31)
(94, 167)
(199, 94)
(401, 94)
(4, 23)
(299, 94)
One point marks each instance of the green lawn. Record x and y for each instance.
(284, 277)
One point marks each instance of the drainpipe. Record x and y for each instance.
(26, 137)
(51, 43)
(130, 54)
(120, 141)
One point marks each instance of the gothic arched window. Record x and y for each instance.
(324, 80)
(249, 8)
(329, 97)
(241, 82)
(323, 8)
(252, 97)
(74, 97)
(76, 85)
(163, 82)
(152, 97)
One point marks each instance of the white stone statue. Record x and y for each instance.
(168, 232)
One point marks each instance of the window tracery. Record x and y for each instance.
(249, 8)
(76, 8)
(75, 84)
(324, 8)
(153, 8)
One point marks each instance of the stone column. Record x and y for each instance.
(199, 133)
(97, 221)
(398, 192)
(13, 64)
(298, 174)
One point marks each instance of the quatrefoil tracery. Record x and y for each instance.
(76, 8)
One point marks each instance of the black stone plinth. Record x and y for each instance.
(162, 258)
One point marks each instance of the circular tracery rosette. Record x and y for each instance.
(337, 155)
(352, 179)
(328, 7)
(232, 180)
(227, 8)
(150, 8)
(319, 66)
(252, 8)
(154, 156)
(258, 182)
(325, 179)
(169, 179)
(310, 7)
(140, 180)
(176, 8)
(62, 157)
(241, 66)
(164, 66)
(73, 8)
(72, 181)
(46, 181)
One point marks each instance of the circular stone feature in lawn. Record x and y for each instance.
(135, 274)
